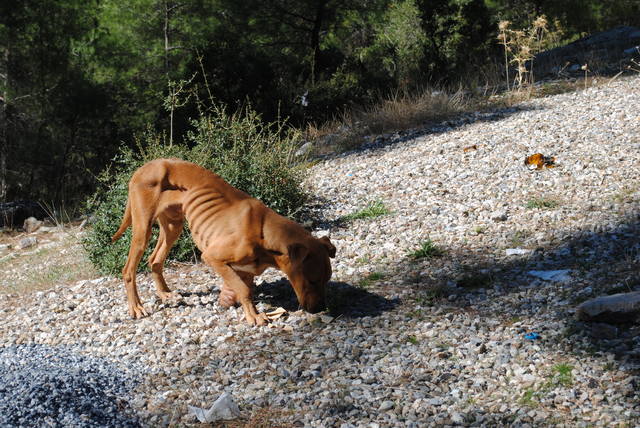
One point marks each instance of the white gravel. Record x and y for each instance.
(423, 342)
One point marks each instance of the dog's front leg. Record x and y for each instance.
(241, 290)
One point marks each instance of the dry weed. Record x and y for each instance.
(399, 111)
(402, 111)
(265, 417)
(57, 259)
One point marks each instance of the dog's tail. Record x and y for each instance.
(126, 222)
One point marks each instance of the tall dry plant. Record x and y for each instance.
(503, 26)
(521, 46)
(636, 65)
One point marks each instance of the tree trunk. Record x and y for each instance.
(167, 19)
(4, 124)
(3, 151)
(315, 36)
(62, 167)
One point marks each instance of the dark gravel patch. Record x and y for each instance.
(57, 386)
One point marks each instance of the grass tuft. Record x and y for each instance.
(561, 375)
(403, 110)
(372, 210)
(542, 203)
(413, 340)
(397, 112)
(528, 398)
(370, 279)
(426, 250)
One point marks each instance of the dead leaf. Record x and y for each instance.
(539, 161)
(276, 313)
(326, 318)
(470, 148)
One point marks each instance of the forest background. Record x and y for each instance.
(79, 79)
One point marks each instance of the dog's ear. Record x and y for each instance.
(297, 252)
(329, 246)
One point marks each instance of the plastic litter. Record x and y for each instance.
(532, 336)
(516, 251)
(551, 275)
(224, 408)
(539, 161)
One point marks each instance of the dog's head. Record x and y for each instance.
(309, 269)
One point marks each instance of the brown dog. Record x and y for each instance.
(238, 236)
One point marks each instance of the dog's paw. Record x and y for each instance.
(258, 319)
(137, 312)
(167, 296)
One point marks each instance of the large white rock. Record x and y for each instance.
(31, 224)
(622, 307)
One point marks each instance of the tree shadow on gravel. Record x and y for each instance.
(343, 299)
(313, 216)
(355, 302)
(600, 263)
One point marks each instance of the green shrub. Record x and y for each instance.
(252, 156)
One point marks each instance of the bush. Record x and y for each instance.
(255, 157)
(252, 156)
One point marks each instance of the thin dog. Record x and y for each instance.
(238, 235)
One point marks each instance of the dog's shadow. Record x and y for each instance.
(185, 293)
(342, 299)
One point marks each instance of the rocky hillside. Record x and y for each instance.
(453, 301)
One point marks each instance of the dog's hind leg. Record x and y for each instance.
(138, 244)
(228, 297)
(142, 217)
(170, 231)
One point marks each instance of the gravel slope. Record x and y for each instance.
(422, 342)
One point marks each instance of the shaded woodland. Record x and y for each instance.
(79, 79)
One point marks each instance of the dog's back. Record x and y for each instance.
(181, 189)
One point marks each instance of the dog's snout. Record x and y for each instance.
(315, 307)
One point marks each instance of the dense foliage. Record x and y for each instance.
(249, 154)
(77, 77)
